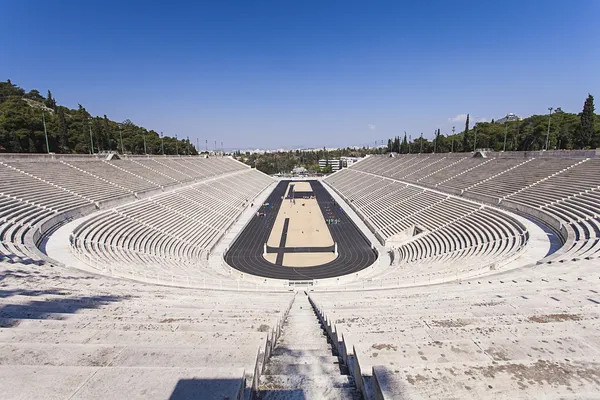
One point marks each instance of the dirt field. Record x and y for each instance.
(306, 228)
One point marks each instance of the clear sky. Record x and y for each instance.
(306, 73)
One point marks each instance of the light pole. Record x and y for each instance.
(91, 138)
(421, 143)
(162, 143)
(548, 134)
(145, 152)
(475, 140)
(409, 140)
(121, 136)
(176, 145)
(188, 145)
(505, 131)
(435, 140)
(453, 128)
(45, 131)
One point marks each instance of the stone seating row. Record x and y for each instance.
(563, 188)
(454, 233)
(16, 219)
(27, 188)
(438, 342)
(521, 176)
(171, 232)
(468, 237)
(34, 190)
(71, 179)
(64, 332)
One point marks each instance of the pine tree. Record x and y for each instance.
(50, 101)
(465, 138)
(404, 148)
(389, 146)
(397, 144)
(586, 131)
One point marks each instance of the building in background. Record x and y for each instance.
(349, 161)
(508, 117)
(335, 165)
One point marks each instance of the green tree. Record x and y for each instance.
(585, 133)
(63, 133)
(396, 147)
(404, 146)
(50, 102)
(465, 137)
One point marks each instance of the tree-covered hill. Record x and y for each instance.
(22, 117)
(567, 132)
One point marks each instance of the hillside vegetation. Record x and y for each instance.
(567, 132)
(22, 116)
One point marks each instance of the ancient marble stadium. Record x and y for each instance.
(446, 276)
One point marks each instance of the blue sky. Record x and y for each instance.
(304, 73)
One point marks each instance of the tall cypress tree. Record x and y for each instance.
(50, 101)
(404, 148)
(465, 138)
(586, 131)
(397, 144)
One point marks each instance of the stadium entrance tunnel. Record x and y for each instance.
(300, 233)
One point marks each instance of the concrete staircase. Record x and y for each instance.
(303, 364)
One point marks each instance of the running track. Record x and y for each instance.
(354, 250)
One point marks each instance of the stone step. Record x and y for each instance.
(300, 394)
(129, 356)
(295, 348)
(332, 366)
(124, 337)
(167, 324)
(312, 387)
(283, 351)
(322, 359)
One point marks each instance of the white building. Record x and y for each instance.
(336, 165)
(508, 117)
(348, 161)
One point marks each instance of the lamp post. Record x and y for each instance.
(162, 143)
(176, 145)
(548, 134)
(121, 137)
(453, 128)
(421, 143)
(45, 131)
(145, 152)
(475, 140)
(505, 131)
(91, 138)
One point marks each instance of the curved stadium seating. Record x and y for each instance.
(452, 232)
(525, 333)
(170, 233)
(37, 193)
(561, 191)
